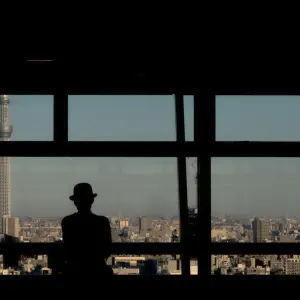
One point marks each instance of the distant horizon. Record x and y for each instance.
(235, 216)
(133, 216)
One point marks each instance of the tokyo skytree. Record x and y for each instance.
(5, 134)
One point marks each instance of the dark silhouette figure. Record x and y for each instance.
(87, 237)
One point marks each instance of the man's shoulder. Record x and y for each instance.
(68, 219)
(102, 218)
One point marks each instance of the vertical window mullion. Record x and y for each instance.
(204, 136)
(182, 184)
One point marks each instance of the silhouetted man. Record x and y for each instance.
(87, 237)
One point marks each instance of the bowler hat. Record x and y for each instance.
(82, 190)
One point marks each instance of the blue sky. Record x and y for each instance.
(258, 118)
(126, 186)
(242, 186)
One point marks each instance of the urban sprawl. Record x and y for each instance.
(144, 229)
(255, 230)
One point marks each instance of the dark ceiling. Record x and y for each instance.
(157, 71)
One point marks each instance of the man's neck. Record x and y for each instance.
(85, 212)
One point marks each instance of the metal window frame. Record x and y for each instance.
(249, 149)
(204, 147)
(61, 147)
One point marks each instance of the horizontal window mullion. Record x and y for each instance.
(105, 149)
(117, 248)
(92, 89)
(254, 248)
(257, 91)
(255, 149)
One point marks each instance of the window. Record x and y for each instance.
(247, 264)
(129, 189)
(145, 264)
(135, 188)
(257, 118)
(106, 139)
(192, 173)
(254, 189)
(261, 195)
(122, 118)
(189, 117)
(27, 117)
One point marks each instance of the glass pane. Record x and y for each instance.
(189, 117)
(26, 117)
(255, 199)
(191, 164)
(145, 264)
(121, 265)
(192, 171)
(122, 118)
(257, 118)
(138, 195)
(36, 265)
(255, 264)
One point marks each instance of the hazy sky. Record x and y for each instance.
(125, 186)
(257, 186)
(134, 186)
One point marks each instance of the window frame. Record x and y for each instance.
(252, 149)
(204, 147)
(62, 147)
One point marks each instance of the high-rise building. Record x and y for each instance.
(11, 226)
(145, 224)
(5, 134)
(124, 223)
(261, 230)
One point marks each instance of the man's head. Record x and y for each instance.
(83, 197)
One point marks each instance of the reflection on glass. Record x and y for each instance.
(257, 118)
(26, 117)
(255, 200)
(122, 118)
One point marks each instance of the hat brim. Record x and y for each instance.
(73, 197)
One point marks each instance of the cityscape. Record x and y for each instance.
(227, 229)
(144, 229)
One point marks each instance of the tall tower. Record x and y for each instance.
(5, 134)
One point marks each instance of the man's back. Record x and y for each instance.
(87, 239)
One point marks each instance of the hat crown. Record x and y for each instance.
(83, 189)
